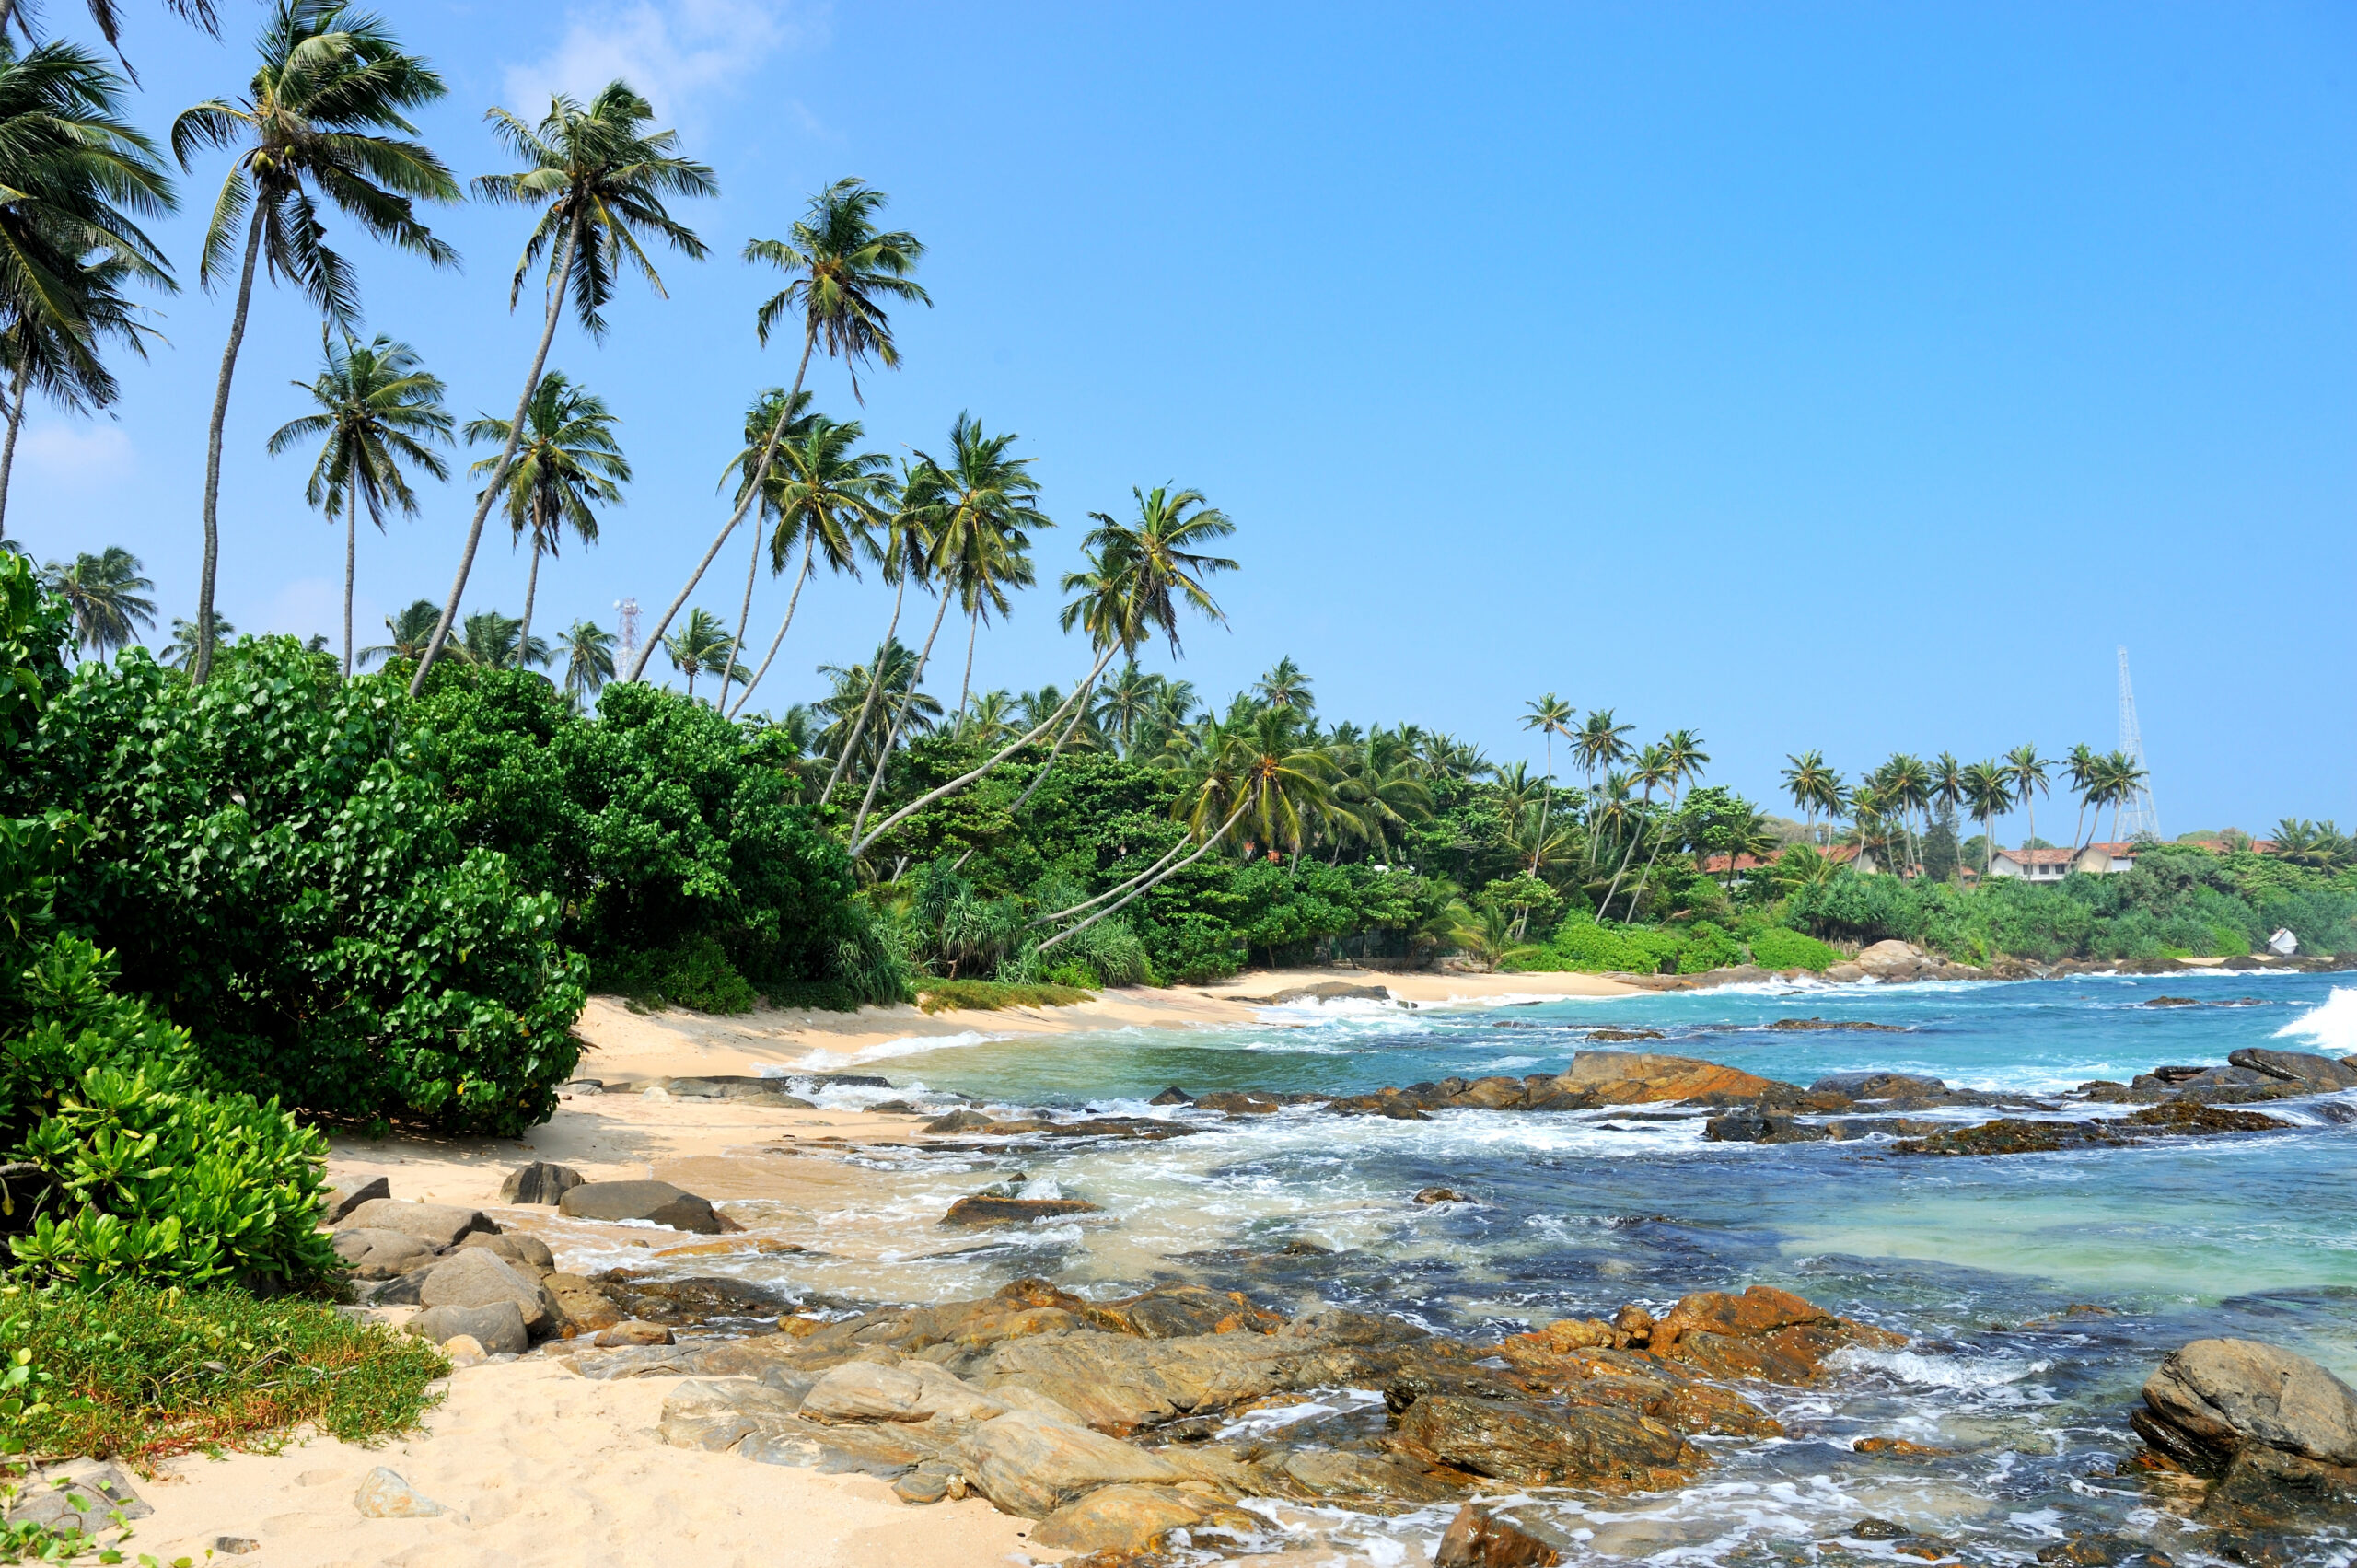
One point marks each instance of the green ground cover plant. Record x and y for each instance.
(988, 995)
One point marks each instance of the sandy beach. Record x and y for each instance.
(537, 1465)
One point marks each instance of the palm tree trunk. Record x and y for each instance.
(791, 599)
(744, 618)
(874, 686)
(8, 451)
(892, 736)
(532, 591)
(1149, 886)
(1062, 740)
(200, 666)
(860, 846)
(964, 683)
(351, 560)
(752, 494)
(1625, 857)
(506, 457)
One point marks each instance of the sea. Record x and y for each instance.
(2038, 1291)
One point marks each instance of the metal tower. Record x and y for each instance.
(2137, 815)
(629, 608)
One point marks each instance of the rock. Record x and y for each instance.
(1324, 991)
(385, 1495)
(1764, 1332)
(914, 1390)
(474, 1276)
(929, 1482)
(1128, 1518)
(1240, 1102)
(1900, 1446)
(375, 1254)
(1626, 1078)
(1172, 1312)
(436, 1224)
(1440, 1195)
(2211, 1398)
(1174, 1094)
(2321, 1074)
(632, 1332)
(691, 1298)
(585, 1308)
(956, 1122)
(85, 1495)
(497, 1328)
(1880, 1085)
(464, 1349)
(1895, 960)
(1030, 1465)
(529, 1253)
(346, 1196)
(1479, 1539)
(1612, 1036)
(2016, 1135)
(983, 1210)
(657, 1202)
(236, 1545)
(1851, 1024)
(2273, 1490)
(1756, 1127)
(1527, 1445)
(2193, 1117)
(2102, 1551)
(1844, 973)
(712, 1416)
(539, 1183)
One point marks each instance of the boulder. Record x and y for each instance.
(498, 1328)
(1895, 960)
(1440, 1195)
(2321, 1074)
(1631, 1077)
(914, 1390)
(657, 1202)
(524, 1252)
(2212, 1398)
(436, 1224)
(1525, 1444)
(691, 1298)
(958, 1121)
(385, 1495)
(1612, 1034)
(1856, 1024)
(464, 1349)
(1174, 1094)
(1759, 1127)
(82, 1495)
(380, 1254)
(982, 1210)
(1844, 973)
(587, 1309)
(1240, 1102)
(1765, 1332)
(1879, 1086)
(2102, 1550)
(346, 1196)
(632, 1332)
(539, 1183)
(1030, 1465)
(1479, 1539)
(1128, 1518)
(474, 1276)
(711, 1415)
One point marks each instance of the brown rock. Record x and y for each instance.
(658, 1202)
(1129, 1518)
(436, 1224)
(1632, 1325)
(373, 1254)
(632, 1332)
(1900, 1446)
(1530, 1445)
(982, 1211)
(346, 1196)
(863, 1391)
(1170, 1312)
(1628, 1077)
(474, 1276)
(587, 1309)
(1493, 1094)
(539, 1183)
(1030, 1465)
(2212, 1398)
(1240, 1102)
(526, 1252)
(1440, 1195)
(1479, 1539)
(1765, 1332)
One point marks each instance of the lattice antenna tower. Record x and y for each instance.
(629, 608)
(2137, 815)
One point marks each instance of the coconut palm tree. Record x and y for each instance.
(181, 651)
(588, 659)
(378, 410)
(1946, 780)
(855, 692)
(106, 593)
(107, 15)
(566, 466)
(699, 646)
(2117, 777)
(1906, 786)
(331, 79)
(1655, 768)
(993, 564)
(1377, 789)
(1550, 716)
(843, 269)
(1599, 748)
(832, 498)
(406, 634)
(2026, 775)
(1287, 685)
(1989, 791)
(2080, 766)
(1806, 781)
(1686, 759)
(989, 719)
(497, 641)
(599, 177)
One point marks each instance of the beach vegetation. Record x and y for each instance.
(990, 995)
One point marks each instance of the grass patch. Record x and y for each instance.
(987, 996)
(141, 1372)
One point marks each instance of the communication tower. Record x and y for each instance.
(629, 608)
(2137, 815)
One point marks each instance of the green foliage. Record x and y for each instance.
(696, 974)
(1582, 944)
(988, 995)
(1708, 948)
(142, 1371)
(1776, 947)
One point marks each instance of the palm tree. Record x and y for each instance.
(841, 269)
(699, 646)
(376, 410)
(1134, 580)
(1806, 781)
(1655, 767)
(589, 658)
(406, 634)
(497, 641)
(598, 178)
(567, 465)
(855, 692)
(1599, 748)
(107, 15)
(987, 721)
(104, 591)
(1686, 759)
(1989, 790)
(1128, 707)
(1906, 786)
(1550, 716)
(1947, 781)
(1377, 789)
(2117, 777)
(829, 496)
(181, 651)
(972, 512)
(37, 356)
(2080, 767)
(1287, 687)
(329, 78)
(2026, 775)
(993, 564)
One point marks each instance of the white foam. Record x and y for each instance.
(882, 1051)
(2331, 1025)
(1963, 1374)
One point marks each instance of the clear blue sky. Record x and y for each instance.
(1849, 377)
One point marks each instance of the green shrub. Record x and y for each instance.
(1580, 944)
(696, 975)
(1776, 947)
(1707, 947)
(988, 995)
(142, 1372)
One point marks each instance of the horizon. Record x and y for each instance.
(1822, 324)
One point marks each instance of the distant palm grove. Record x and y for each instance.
(377, 874)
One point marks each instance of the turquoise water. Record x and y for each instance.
(1980, 1260)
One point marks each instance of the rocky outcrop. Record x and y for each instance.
(1128, 1519)
(1596, 1080)
(2316, 1074)
(2016, 1135)
(1477, 1537)
(539, 1183)
(1525, 1444)
(656, 1202)
(985, 1210)
(2278, 1432)
(346, 1196)
(1850, 1025)
(436, 1224)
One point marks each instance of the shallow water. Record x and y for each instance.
(1982, 1260)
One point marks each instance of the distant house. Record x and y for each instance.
(1840, 854)
(2053, 864)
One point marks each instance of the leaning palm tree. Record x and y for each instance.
(105, 593)
(993, 563)
(330, 81)
(106, 17)
(588, 659)
(1686, 759)
(37, 355)
(598, 178)
(1989, 792)
(841, 269)
(832, 498)
(377, 408)
(407, 633)
(972, 510)
(567, 465)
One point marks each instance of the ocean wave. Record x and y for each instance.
(1987, 1377)
(2331, 1025)
(823, 1060)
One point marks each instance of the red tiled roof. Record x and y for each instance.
(1716, 864)
(2041, 856)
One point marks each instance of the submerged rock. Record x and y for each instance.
(1857, 1025)
(984, 1210)
(2016, 1135)
(1479, 1539)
